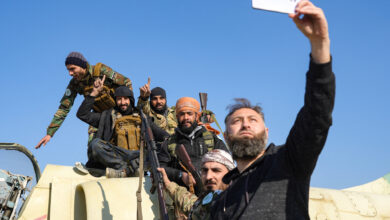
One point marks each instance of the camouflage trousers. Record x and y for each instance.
(173, 212)
(91, 133)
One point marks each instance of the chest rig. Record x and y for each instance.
(105, 100)
(207, 137)
(127, 131)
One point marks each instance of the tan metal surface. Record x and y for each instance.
(64, 194)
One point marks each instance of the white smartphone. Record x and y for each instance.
(282, 6)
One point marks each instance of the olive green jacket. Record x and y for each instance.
(167, 121)
(113, 80)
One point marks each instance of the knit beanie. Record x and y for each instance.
(76, 58)
(158, 91)
(126, 92)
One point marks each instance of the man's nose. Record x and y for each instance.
(245, 124)
(209, 175)
(186, 116)
(71, 73)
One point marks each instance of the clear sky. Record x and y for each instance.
(224, 48)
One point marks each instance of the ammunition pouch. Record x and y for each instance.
(105, 99)
(127, 132)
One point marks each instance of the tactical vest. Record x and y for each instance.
(127, 131)
(207, 137)
(105, 100)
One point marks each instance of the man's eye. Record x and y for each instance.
(235, 120)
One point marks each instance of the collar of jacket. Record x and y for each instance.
(193, 133)
(234, 174)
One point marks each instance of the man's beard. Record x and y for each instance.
(161, 111)
(247, 148)
(127, 111)
(188, 130)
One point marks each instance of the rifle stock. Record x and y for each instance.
(183, 156)
(154, 164)
(203, 104)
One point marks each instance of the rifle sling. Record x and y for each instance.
(141, 174)
(216, 122)
(191, 186)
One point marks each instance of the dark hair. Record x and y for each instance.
(243, 103)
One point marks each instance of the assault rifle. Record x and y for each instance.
(153, 160)
(203, 104)
(185, 159)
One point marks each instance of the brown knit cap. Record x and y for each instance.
(76, 58)
(187, 103)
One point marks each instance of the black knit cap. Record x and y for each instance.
(158, 91)
(76, 58)
(126, 92)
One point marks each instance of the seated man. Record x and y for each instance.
(157, 108)
(196, 139)
(117, 142)
(215, 164)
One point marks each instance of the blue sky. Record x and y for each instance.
(224, 48)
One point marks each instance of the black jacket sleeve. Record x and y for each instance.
(219, 144)
(166, 162)
(85, 114)
(159, 134)
(309, 132)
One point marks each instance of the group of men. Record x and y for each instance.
(267, 182)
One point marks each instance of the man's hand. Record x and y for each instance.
(165, 176)
(187, 179)
(43, 141)
(145, 90)
(98, 86)
(314, 26)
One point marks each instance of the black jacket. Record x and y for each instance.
(276, 186)
(195, 147)
(103, 121)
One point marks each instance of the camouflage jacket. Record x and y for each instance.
(113, 80)
(167, 121)
(189, 204)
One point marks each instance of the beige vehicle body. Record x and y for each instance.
(64, 194)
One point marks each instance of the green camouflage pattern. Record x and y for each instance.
(113, 80)
(188, 203)
(167, 122)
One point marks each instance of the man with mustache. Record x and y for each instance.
(116, 145)
(215, 164)
(82, 82)
(197, 141)
(157, 108)
(273, 182)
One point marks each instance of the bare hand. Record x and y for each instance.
(43, 141)
(187, 179)
(209, 115)
(145, 90)
(98, 86)
(164, 176)
(314, 26)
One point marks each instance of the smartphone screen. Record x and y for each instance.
(282, 6)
